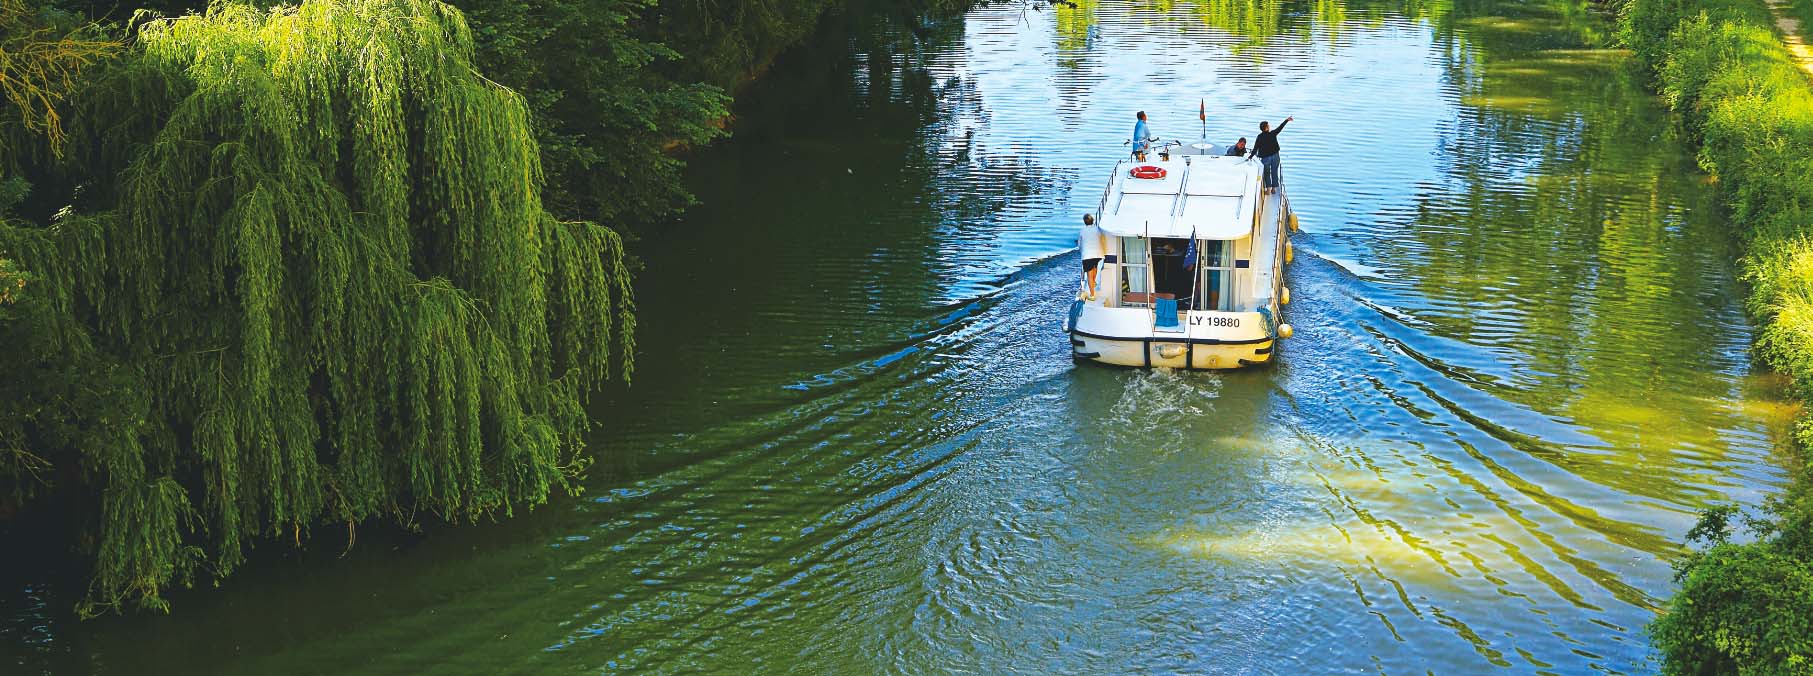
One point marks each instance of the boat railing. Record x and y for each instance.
(1153, 144)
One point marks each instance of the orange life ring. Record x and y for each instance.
(1147, 171)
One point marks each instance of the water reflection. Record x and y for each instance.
(856, 443)
(1554, 267)
(1076, 27)
(1255, 20)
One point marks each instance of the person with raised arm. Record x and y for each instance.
(1266, 149)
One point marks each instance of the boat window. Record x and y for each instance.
(1134, 289)
(1217, 277)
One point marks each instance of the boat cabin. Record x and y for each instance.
(1150, 224)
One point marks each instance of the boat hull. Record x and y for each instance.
(1171, 352)
(1199, 339)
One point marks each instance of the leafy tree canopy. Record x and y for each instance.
(306, 277)
(606, 116)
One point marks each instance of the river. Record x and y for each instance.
(856, 442)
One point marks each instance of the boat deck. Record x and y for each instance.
(1271, 217)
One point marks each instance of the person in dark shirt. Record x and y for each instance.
(1238, 149)
(1266, 149)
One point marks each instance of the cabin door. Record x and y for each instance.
(1217, 276)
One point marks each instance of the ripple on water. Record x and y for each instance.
(856, 443)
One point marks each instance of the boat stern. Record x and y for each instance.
(1200, 340)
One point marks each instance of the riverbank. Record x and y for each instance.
(1747, 607)
(599, 95)
(121, 438)
(856, 443)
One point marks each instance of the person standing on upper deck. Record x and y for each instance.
(1266, 149)
(1141, 136)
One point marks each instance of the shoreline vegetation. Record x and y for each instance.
(267, 269)
(299, 274)
(1746, 606)
(236, 314)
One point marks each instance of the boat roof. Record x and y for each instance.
(1200, 196)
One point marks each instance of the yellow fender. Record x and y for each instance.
(1293, 221)
(1290, 251)
(1285, 298)
(1285, 331)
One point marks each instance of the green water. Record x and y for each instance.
(856, 442)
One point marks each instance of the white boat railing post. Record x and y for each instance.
(1151, 282)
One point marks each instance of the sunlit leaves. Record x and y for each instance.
(326, 286)
(1746, 608)
(40, 64)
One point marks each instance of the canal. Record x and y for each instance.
(856, 442)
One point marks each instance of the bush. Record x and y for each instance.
(1746, 608)
(1742, 609)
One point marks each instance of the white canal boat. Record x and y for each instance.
(1191, 253)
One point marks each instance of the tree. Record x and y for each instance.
(310, 280)
(40, 63)
(606, 119)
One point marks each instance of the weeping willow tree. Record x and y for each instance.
(311, 282)
(39, 66)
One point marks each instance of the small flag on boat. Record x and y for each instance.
(1189, 257)
(1203, 112)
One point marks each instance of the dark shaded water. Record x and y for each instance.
(856, 443)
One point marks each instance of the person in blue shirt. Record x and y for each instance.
(1140, 135)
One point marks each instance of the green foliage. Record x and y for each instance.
(1746, 608)
(605, 116)
(12, 283)
(296, 265)
(1741, 610)
(312, 282)
(1644, 25)
(728, 41)
(42, 56)
(617, 85)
